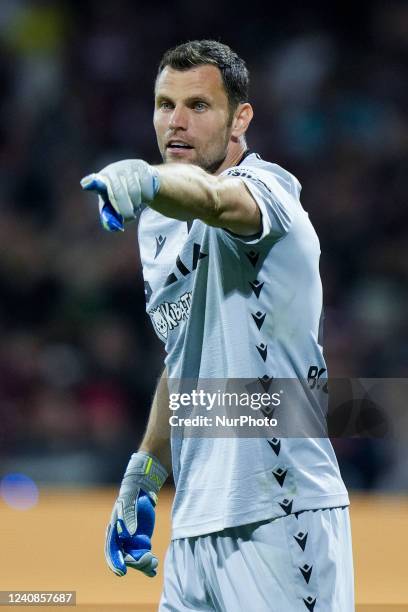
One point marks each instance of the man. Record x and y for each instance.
(230, 262)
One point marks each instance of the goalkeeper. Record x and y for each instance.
(231, 270)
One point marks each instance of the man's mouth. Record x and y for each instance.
(177, 145)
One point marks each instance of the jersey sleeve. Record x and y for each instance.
(277, 196)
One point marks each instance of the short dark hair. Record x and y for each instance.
(233, 70)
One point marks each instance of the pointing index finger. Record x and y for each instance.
(93, 182)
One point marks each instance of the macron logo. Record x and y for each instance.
(160, 242)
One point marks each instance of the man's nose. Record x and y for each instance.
(178, 118)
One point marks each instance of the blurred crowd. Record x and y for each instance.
(78, 360)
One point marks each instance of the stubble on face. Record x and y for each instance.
(210, 162)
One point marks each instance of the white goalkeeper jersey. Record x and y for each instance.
(230, 307)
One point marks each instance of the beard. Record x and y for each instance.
(209, 163)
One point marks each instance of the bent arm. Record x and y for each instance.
(187, 192)
(156, 440)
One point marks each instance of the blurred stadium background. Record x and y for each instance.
(78, 360)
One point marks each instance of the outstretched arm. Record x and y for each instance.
(179, 191)
(188, 192)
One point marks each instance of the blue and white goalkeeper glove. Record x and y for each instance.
(122, 187)
(128, 536)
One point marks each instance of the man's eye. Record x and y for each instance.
(200, 106)
(165, 106)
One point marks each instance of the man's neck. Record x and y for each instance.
(233, 157)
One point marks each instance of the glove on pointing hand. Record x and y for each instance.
(122, 187)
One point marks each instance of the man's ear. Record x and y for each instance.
(241, 120)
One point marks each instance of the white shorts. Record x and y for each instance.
(289, 564)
